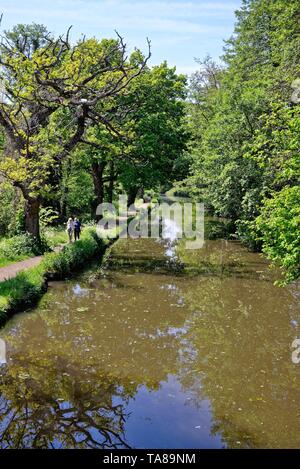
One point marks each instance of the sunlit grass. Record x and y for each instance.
(56, 236)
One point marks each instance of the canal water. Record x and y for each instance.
(156, 351)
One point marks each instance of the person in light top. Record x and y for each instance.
(70, 229)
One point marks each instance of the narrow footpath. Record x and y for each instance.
(11, 270)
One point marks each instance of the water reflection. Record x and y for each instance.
(76, 362)
(137, 359)
(62, 412)
(242, 327)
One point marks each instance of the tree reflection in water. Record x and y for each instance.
(85, 417)
(76, 361)
(242, 327)
(75, 365)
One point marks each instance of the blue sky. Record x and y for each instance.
(179, 30)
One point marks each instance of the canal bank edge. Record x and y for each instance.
(25, 290)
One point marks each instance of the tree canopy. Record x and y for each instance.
(244, 149)
(88, 121)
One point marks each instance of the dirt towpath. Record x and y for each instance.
(11, 270)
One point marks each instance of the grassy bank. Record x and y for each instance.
(25, 289)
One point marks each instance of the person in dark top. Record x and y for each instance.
(77, 229)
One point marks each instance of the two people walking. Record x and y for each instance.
(73, 229)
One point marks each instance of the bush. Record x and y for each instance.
(21, 246)
(219, 229)
(247, 232)
(17, 227)
(279, 224)
(56, 236)
(73, 256)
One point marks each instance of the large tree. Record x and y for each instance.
(157, 130)
(51, 94)
(146, 135)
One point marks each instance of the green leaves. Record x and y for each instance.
(156, 128)
(279, 224)
(245, 148)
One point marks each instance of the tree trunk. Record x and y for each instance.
(110, 192)
(32, 220)
(97, 173)
(64, 191)
(132, 193)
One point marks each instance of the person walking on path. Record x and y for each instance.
(70, 229)
(77, 229)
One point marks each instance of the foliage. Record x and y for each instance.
(48, 217)
(74, 256)
(18, 248)
(6, 208)
(25, 289)
(156, 128)
(279, 224)
(245, 143)
(52, 91)
(79, 194)
(27, 38)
